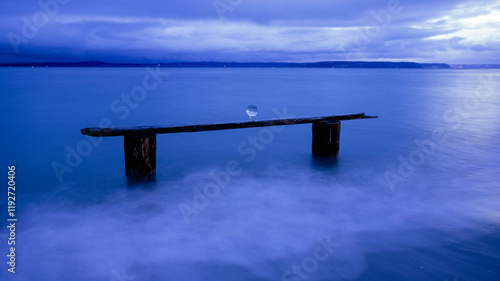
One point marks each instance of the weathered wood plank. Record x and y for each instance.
(147, 130)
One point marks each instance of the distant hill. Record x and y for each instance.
(324, 64)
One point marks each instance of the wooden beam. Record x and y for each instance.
(141, 131)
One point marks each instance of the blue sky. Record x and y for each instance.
(449, 31)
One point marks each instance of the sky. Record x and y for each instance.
(440, 31)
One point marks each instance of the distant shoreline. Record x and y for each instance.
(325, 64)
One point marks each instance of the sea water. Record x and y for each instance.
(414, 194)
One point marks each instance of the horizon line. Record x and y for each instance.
(317, 64)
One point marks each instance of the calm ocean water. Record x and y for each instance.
(414, 195)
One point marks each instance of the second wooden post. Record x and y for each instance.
(140, 158)
(326, 139)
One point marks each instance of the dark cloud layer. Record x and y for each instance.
(453, 31)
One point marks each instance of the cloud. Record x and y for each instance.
(255, 30)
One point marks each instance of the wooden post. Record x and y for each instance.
(326, 139)
(140, 158)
